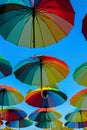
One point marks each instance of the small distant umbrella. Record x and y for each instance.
(79, 99)
(26, 122)
(9, 96)
(80, 74)
(5, 68)
(76, 124)
(41, 70)
(44, 114)
(52, 97)
(78, 115)
(84, 26)
(36, 23)
(62, 128)
(8, 128)
(49, 124)
(11, 114)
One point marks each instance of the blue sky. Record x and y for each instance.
(72, 49)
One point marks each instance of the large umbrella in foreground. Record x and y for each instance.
(41, 70)
(78, 115)
(37, 23)
(11, 114)
(84, 26)
(49, 124)
(51, 97)
(26, 122)
(5, 68)
(44, 114)
(76, 124)
(80, 74)
(79, 99)
(9, 96)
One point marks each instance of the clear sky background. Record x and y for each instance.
(72, 49)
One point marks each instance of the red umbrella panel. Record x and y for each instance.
(84, 26)
(51, 98)
(11, 114)
(36, 23)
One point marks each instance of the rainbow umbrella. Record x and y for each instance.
(43, 114)
(48, 69)
(36, 23)
(79, 99)
(8, 128)
(84, 26)
(80, 74)
(9, 96)
(26, 122)
(49, 124)
(78, 115)
(51, 97)
(11, 114)
(62, 128)
(5, 68)
(76, 124)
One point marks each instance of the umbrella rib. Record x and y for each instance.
(48, 28)
(40, 30)
(18, 21)
(52, 20)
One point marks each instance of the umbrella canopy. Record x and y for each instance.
(49, 124)
(44, 114)
(84, 26)
(9, 96)
(52, 97)
(5, 68)
(62, 128)
(76, 124)
(47, 69)
(11, 114)
(80, 74)
(78, 115)
(26, 122)
(8, 128)
(79, 99)
(37, 23)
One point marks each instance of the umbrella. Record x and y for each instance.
(62, 128)
(79, 99)
(78, 115)
(8, 128)
(37, 23)
(76, 124)
(5, 68)
(11, 114)
(49, 124)
(84, 26)
(52, 97)
(26, 122)
(43, 114)
(9, 96)
(80, 74)
(41, 70)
